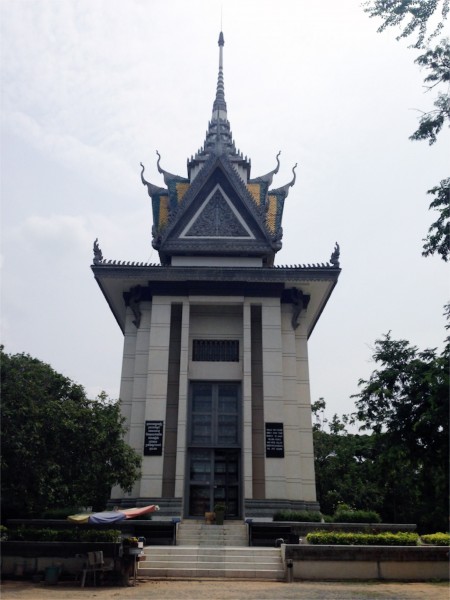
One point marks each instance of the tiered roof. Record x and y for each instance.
(218, 189)
(217, 231)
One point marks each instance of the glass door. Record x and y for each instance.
(214, 448)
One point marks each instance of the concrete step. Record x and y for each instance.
(214, 562)
(195, 533)
(202, 554)
(193, 540)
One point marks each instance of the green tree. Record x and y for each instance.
(345, 465)
(405, 404)
(438, 238)
(413, 17)
(59, 449)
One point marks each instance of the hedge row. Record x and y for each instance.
(356, 516)
(341, 516)
(298, 515)
(28, 534)
(363, 539)
(436, 539)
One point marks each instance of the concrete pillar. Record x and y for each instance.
(273, 390)
(182, 403)
(291, 407)
(247, 469)
(155, 405)
(306, 468)
(133, 385)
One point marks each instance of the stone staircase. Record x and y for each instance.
(212, 551)
(197, 533)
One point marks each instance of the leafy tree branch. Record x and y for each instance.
(438, 238)
(412, 15)
(413, 18)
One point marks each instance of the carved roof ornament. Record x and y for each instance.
(168, 177)
(98, 255)
(268, 177)
(134, 300)
(152, 189)
(299, 302)
(334, 260)
(285, 188)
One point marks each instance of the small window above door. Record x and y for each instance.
(215, 350)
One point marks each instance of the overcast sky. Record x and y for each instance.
(92, 87)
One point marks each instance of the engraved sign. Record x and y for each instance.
(153, 438)
(274, 440)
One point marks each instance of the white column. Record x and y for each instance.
(290, 407)
(306, 467)
(273, 390)
(134, 383)
(139, 382)
(127, 377)
(156, 396)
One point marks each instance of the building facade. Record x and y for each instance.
(215, 383)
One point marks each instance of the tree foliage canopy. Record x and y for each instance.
(398, 466)
(59, 448)
(405, 403)
(414, 17)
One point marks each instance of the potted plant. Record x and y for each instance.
(219, 509)
(209, 517)
(131, 545)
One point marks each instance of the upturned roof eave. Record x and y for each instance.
(209, 273)
(115, 280)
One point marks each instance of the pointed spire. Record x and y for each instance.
(218, 139)
(220, 106)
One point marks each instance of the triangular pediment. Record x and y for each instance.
(217, 218)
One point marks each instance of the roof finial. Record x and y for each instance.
(220, 106)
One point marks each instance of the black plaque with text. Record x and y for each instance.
(274, 440)
(153, 438)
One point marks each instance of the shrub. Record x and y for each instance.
(298, 515)
(3, 533)
(348, 515)
(363, 539)
(61, 513)
(436, 539)
(28, 534)
(100, 535)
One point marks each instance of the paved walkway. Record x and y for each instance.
(229, 590)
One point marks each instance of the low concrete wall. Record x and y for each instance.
(415, 563)
(28, 558)
(158, 532)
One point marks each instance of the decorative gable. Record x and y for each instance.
(217, 217)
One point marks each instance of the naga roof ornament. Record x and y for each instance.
(268, 177)
(248, 205)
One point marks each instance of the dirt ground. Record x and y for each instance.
(228, 590)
